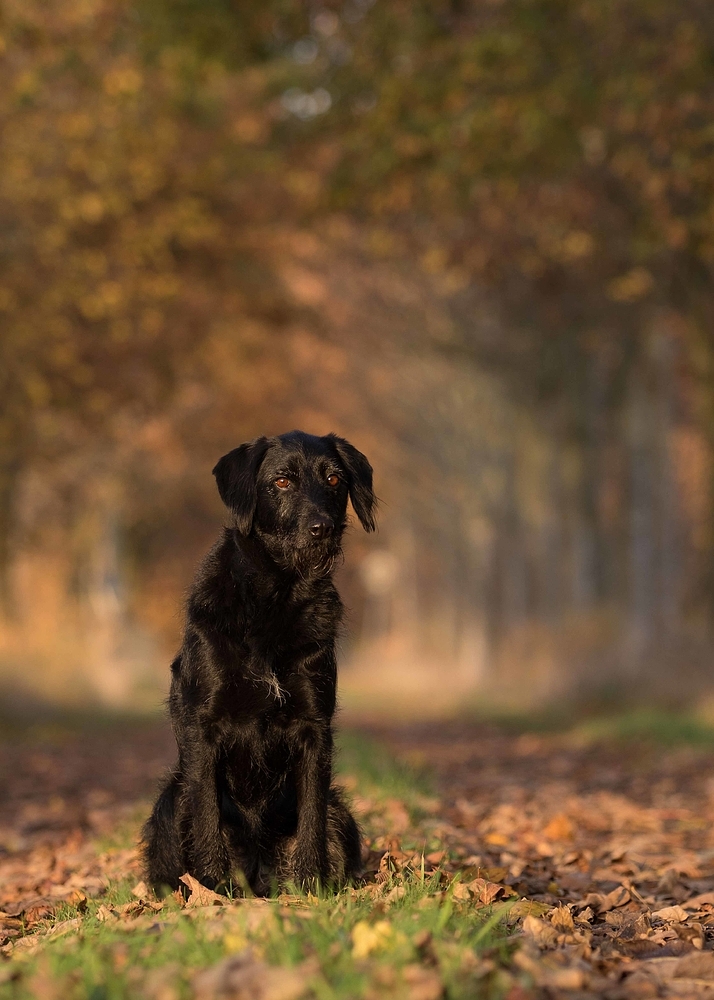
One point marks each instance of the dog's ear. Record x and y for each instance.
(359, 480)
(236, 477)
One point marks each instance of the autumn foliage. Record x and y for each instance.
(476, 235)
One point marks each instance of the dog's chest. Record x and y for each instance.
(295, 628)
(284, 667)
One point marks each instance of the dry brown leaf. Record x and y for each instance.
(618, 897)
(559, 828)
(528, 907)
(37, 907)
(392, 861)
(24, 944)
(65, 927)
(544, 934)
(562, 919)
(422, 983)
(486, 892)
(672, 914)
(585, 916)
(703, 899)
(397, 816)
(141, 890)
(200, 895)
(133, 908)
(106, 914)
(546, 973)
(493, 874)
(565, 979)
(245, 977)
(697, 965)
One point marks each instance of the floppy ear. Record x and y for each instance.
(359, 480)
(236, 475)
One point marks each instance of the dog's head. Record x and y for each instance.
(291, 492)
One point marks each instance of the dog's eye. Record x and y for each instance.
(282, 482)
(333, 480)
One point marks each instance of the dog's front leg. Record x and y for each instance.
(308, 862)
(209, 860)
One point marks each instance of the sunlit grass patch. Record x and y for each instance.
(378, 771)
(649, 724)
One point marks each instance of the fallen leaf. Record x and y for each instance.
(705, 898)
(200, 895)
(36, 905)
(559, 828)
(564, 979)
(422, 983)
(244, 977)
(547, 974)
(544, 934)
(618, 897)
(562, 919)
(486, 892)
(601, 903)
(397, 816)
(526, 908)
(697, 965)
(493, 874)
(65, 927)
(672, 914)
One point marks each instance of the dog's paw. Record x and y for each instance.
(300, 868)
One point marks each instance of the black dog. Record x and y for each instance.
(253, 687)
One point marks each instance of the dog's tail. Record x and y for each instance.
(161, 847)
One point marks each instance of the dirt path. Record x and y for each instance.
(612, 848)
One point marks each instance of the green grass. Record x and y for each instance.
(380, 774)
(667, 728)
(643, 724)
(109, 963)
(421, 925)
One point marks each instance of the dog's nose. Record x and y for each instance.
(322, 528)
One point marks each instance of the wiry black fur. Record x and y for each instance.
(253, 687)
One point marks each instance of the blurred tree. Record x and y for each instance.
(126, 223)
(558, 151)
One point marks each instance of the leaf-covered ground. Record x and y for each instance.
(499, 863)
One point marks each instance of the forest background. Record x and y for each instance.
(476, 237)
